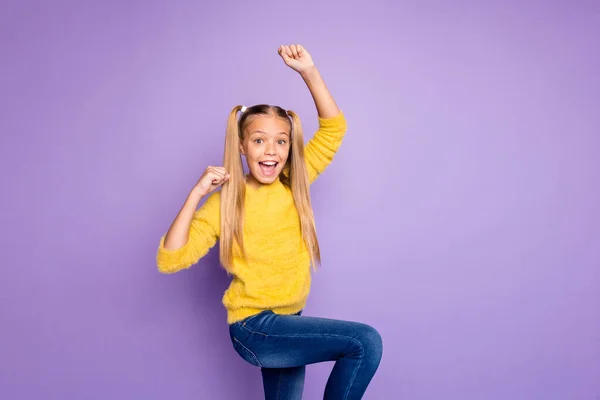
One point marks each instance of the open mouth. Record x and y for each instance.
(268, 167)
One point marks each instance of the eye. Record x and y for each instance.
(259, 140)
(281, 141)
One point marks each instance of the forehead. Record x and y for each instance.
(267, 124)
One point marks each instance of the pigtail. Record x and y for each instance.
(232, 193)
(300, 186)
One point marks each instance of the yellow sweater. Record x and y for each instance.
(276, 273)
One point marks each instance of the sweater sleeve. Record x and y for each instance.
(204, 232)
(320, 150)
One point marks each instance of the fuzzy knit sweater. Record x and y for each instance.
(276, 273)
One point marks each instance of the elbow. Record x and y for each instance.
(165, 270)
(170, 261)
(168, 267)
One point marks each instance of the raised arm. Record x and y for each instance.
(193, 233)
(320, 150)
(297, 58)
(200, 236)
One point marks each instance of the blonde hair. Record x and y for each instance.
(294, 176)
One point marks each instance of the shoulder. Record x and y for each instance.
(214, 197)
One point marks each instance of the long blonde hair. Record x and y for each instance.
(294, 176)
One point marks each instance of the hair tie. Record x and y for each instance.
(244, 108)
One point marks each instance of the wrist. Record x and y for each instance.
(309, 73)
(197, 193)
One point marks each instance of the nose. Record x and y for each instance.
(270, 149)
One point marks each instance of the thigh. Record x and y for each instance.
(284, 341)
(283, 383)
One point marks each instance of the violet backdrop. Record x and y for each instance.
(461, 217)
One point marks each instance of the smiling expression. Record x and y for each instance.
(266, 145)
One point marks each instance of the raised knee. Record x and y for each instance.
(371, 342)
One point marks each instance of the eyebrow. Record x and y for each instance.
(265, 133)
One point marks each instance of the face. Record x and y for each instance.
(266, 146)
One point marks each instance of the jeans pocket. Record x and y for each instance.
(244, 352)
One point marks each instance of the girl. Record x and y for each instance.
(265, 226)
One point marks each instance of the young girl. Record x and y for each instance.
(265, 226)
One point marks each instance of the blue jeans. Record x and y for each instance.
(282, 345)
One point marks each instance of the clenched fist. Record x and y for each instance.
(296, 57)
(212, 178)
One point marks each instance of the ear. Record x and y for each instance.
(242, 149)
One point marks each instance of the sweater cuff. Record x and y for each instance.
(168, 257)
(333, 122)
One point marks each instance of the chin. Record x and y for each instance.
(265, 180)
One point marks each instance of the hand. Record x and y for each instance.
(212, 178)
(296, 57)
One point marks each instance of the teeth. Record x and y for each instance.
(270, 163)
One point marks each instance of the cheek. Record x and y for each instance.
(252, 153)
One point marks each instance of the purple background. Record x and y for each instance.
(461, 216)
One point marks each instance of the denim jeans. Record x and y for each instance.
(282, 345)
